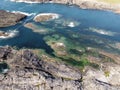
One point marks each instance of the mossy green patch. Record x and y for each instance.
(107, 73)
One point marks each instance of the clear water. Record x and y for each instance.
(102, 20)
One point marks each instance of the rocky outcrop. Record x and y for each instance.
(85, 4)
(8, 34)
(2, 33)
(28, 72)
(9, 19)
(45, 17)
(102, 80)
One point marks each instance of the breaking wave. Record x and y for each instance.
(8, 34)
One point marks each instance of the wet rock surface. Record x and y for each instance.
(9, 19)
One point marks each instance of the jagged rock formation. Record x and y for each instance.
(28, 72)
(8, 18)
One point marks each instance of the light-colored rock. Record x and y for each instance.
(45, 17)
(28, 72)
(98, 80)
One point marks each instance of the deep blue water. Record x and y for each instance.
(87, 18)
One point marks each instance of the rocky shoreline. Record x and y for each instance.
(84, 4)
(9, 19)
(24, 70)
(27, 71)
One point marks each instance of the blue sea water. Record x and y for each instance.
(102, 20)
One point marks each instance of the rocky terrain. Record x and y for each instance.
(45, 17)
(9, 19)
(84, 4)
(27, 71)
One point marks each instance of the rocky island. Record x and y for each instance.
(9, 19)
(45, 17)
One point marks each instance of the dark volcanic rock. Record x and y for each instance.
(8, 18)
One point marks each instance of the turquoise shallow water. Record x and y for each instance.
(91, 22)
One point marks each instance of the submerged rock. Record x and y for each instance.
(36, 28)
(9, 19)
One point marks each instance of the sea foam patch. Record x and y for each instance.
(8, 34)
(25, 13)
(25, 1)
(68, 23)
(102, 31)
(71, 24)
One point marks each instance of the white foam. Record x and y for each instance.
(71, 24)
(54, 15)
(103, 32)
(10, 34)
(27, 14)
(30, 2)
(68, 23)
(25, 1)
